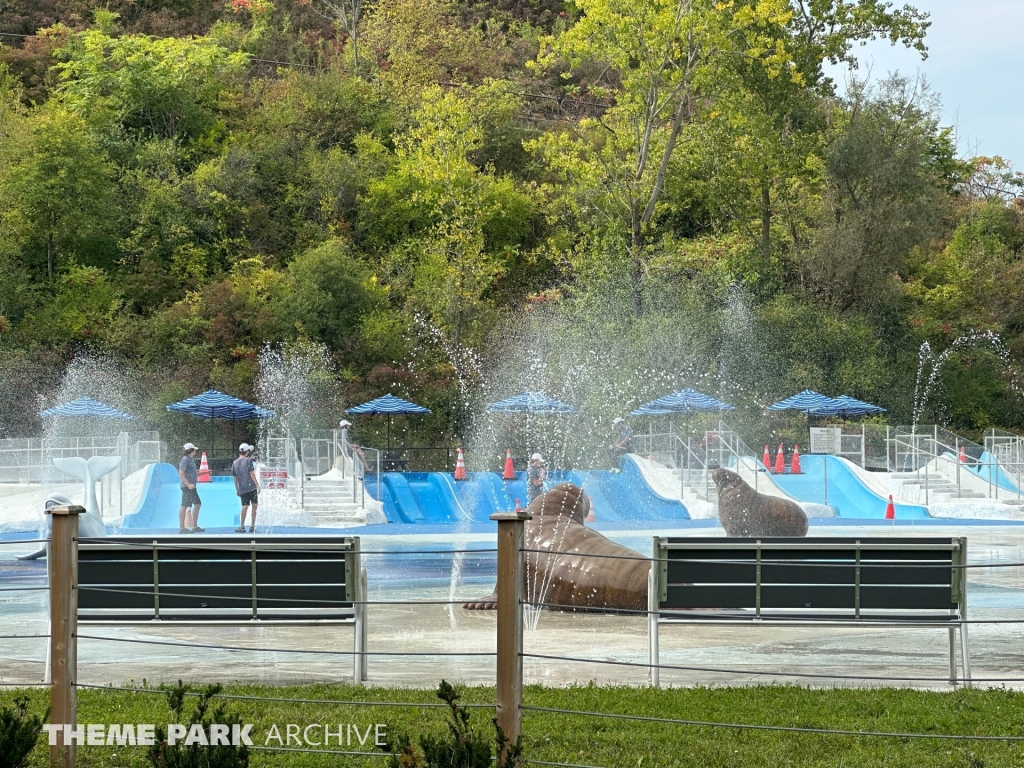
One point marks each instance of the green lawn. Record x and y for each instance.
(618, 743)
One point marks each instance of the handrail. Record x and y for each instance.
(681, 456)
(939, 448)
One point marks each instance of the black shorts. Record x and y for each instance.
(190, 496)
(250, 498)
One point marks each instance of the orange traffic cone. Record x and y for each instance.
(890, 510)
(518, 507)
(794, 467)
(591, 517)
(510, 470)
(767, 459)
(204, 470)
(963, 455)
(460, 467)
(780, 461)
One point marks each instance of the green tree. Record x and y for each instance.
(168, 87)
(657, 59)
(329, 292)
(55, 186)
(889, 166)
(451, 226)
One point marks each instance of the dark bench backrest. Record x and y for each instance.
(216, 578)
(811, 573)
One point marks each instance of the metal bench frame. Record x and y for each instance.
(185, 601)
(850, 615)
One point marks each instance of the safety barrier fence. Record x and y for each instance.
(513, 601)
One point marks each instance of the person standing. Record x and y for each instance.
(247, 486)
(344, 424)
(536, 474)
(623, 442)
(188, 473)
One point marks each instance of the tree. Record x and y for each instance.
(166, 87)
(657, 58)
(421, 43)
(887, 164)
(667, 64)
(347, 13)
(329, 294)
(449, 227)
(56, 186)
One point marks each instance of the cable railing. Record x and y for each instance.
(226, 649)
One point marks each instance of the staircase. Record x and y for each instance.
(939, 487)
(695, 485)
(330, 500)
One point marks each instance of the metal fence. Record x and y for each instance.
(30, 459)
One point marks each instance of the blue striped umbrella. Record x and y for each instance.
(216, 405)
(387, 405)
(646, 410)
(85, 406)
(530, 402)
(806, 401)
(844, 405)
(684, 401)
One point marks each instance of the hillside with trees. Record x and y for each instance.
(401, 181)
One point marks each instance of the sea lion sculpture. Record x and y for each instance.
(742, 511)
(575, 579)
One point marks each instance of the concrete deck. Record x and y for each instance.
(886, 655)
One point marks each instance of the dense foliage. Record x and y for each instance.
(181, 183)
(19, 732)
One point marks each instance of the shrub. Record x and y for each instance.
(19, 732)
(462, 747)
(164, 755)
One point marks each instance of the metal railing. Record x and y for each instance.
(686, 455)
(940, 457)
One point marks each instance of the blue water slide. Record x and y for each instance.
(486, 493)
(161, 499)
(631, 498)
(848, 495)
(405, 506)
(988, 469)
(436, 498)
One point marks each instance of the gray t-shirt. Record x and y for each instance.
(187, 466)
(243, 480)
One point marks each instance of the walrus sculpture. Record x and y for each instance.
(575, 579)
(742, 511)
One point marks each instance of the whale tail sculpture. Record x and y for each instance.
(90, 470)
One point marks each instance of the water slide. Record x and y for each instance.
(989, 470)
(852, 493)
(434, 497)
(161, 499)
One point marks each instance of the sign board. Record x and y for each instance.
(826, 440)
(273, 478)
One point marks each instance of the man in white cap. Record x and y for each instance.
(622, 444)
(247, 486)
(536, 474)
(188, 473)
(344, 424)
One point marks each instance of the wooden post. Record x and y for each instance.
(63, 570)
(511, 529)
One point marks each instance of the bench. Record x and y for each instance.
(225, 580)
(842, 582)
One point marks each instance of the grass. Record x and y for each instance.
(624, 743)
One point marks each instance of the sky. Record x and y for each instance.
(975, 64)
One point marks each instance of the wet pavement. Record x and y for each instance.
(741, 655)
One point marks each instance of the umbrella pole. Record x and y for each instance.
(389, 431)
